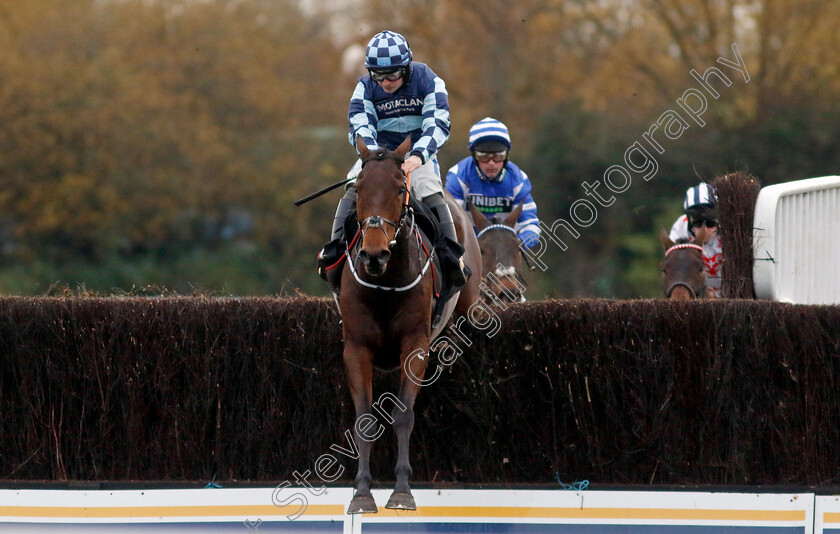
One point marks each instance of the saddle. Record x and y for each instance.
(445, 252)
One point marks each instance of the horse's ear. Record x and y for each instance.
(514, 215)
(364, 152)
(404, 147)
(665, 240)
(479, 219)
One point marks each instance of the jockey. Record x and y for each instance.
(491, 182)
(400, 97)
(699, 206)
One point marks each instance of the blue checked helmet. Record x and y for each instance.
(387, 50)
(489, 135)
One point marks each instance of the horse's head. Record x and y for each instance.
(683, 267)
(380, 207)
(500, 254)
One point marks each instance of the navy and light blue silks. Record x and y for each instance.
(491, 198)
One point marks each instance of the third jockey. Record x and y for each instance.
(491, 182)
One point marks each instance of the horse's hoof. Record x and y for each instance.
(401, 501)
(362, 504)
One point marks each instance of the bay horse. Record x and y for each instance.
(684, 272)
(501, 257)
(386, 308)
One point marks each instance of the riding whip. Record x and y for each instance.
(322, 191)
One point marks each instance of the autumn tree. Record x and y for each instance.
(145, 127)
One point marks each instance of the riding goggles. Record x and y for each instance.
(484, 157)
(391, 76)
(697, 223)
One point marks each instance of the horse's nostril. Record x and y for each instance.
(378, 259)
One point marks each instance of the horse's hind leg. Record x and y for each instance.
(358, 362)
(403, 415)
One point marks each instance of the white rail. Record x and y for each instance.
(797, 241)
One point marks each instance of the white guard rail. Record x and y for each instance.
(797, 241)
(244, 510)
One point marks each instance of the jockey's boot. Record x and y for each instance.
(451, 256)
(332, 251)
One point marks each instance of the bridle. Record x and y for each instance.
(495, 227)
(675, 285)
(376, 221)
(505, 228)
(503, 271)
(684, 245)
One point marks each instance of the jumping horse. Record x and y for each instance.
(501, 257)
(386, 303)
(684, 274)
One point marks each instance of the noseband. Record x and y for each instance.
(675, 285)
(375, 221)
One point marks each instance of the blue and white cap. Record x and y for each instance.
(702, 194)
(489, 135)
(387, 49)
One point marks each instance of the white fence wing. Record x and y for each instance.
(797, 241)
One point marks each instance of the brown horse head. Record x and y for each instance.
(501, 260)
(683, 267)
(381, 188)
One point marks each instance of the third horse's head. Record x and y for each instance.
(683, 269)
(501, 259)
(380, 207)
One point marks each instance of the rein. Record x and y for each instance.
(407, 190)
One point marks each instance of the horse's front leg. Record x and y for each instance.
(415, 356)
(358, 362)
